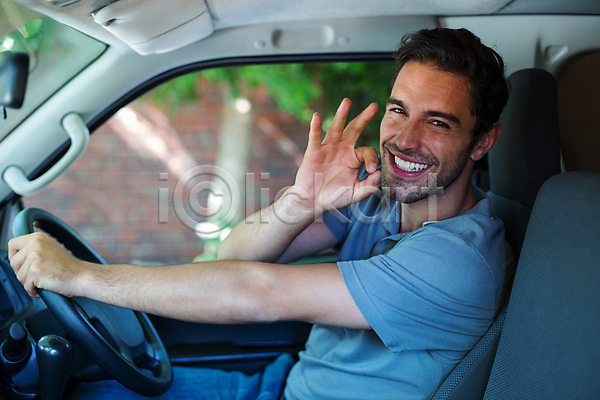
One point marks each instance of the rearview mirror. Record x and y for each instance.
(14, 68)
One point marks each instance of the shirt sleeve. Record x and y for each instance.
(338, 222)
(429, 292)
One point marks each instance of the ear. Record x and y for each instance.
(486, 142)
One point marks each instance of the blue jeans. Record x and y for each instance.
(202, 383)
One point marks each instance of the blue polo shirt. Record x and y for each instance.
(429, 295)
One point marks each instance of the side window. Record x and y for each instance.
(167, 177)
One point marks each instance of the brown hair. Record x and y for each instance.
(460, 52)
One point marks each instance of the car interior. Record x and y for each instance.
(111, 109)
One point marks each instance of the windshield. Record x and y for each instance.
(56, 54)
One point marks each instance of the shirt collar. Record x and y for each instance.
(392, 217)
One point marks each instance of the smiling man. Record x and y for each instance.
(430, 108)
(423, 264)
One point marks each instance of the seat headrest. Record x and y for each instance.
(528, 151)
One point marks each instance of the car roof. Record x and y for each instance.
(155, 17)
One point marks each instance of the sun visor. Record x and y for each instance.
(156, 26)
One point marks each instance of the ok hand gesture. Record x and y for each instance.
(328, 176)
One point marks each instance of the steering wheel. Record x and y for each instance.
(122, 342)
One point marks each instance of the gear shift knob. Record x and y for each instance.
(15, 348)
(54, 356)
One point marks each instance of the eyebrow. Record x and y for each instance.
(438, 114)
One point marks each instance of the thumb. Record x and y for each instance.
(367, 187)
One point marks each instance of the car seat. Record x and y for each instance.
(549, 347)
(525, 156)
(528, 151)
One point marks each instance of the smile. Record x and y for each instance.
(409, 166)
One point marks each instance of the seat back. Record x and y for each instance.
(526, 155)
(550, 343)
(468, 379)
(528, 151)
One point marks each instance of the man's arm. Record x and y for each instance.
(266, 237)
(235, 291)
(326, 180)
(210, 292)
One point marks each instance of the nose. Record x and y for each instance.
(409, 136)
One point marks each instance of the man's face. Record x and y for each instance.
(426, 129)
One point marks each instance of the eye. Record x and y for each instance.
(397, 110)
(440, 124)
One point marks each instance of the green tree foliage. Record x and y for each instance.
(363, 83)
(298, 89)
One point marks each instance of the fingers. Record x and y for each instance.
(358, 124)
(367, 187)
(21, 263)
(368, 156)
(23, 254)
(27, 276)
(336, 129)
(370, 185)
(16, 244)
(16, 261)
(17, 251)
(372, 181)
(315, 132)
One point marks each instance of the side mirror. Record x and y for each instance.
(14, 69)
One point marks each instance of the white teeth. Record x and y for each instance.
(409, 166)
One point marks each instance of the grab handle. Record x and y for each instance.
(75, 127)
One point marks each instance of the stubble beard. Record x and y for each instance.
(409, 191)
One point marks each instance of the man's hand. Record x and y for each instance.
(40, 263)
(327, 179)
(328, 176)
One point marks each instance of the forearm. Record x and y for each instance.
(266, 234)
(210, 292)
(227, 292)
